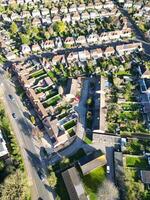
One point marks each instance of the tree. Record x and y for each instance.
(25, 39)
(14, 28)
(14, 187)
(32, 118)
(52, 179)
(47, 35)
(108, 191)
(2, 165)
(64, 162)
(60, 27)
(89, 101)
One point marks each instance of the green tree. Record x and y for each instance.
(14, 187)
(64, 162)
(60, 27)
(14, 28)
(47, 35)
(25, 39)
(2, 165)
(32, 118)
(52, 179)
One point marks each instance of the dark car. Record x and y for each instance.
(41, 175)
(11, 97)
(14, 115)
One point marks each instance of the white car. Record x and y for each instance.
(108, 169)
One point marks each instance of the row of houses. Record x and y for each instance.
(81, 40)
(136, 5)
(96, 53)
(98, 5)
(145, 90)
(41, 19)
(46, 97)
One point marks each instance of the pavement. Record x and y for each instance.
(23, 130)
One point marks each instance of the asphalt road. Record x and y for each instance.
(23, 130)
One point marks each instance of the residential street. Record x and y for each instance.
(23, 130)
(139, 34)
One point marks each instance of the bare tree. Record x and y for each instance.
(108, 191)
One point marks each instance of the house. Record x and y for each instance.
(64, 9)
(69, 41)
(28, 1)
(91, 162)
(85, 15)
(36, 22)
(25, 49)
(128, 48)
(127, 32)
(14, 16)
(10, 56)
(40, 109)
(46, 19)
(35, 48)
(58, 136)
(44, 11)
(74, 185)
(54, 11)
(36, 13)
(3, 147)
(66, 18)
(75, 16)
(72, 88)
(48, 81)
(72, 57)
(56, 18)
(25, 14)
(109, 5)
(73, 8)
(90, 6)
(48, 44)
(128, 4)
(84, 55)
(58, 59)
(138, 5)
(92, 38)
(93, 14)
(81, 40)
(21, 2)
(98, 6)
(104, 36)
(96, 53)
(6, 18)
(145, 177)
(109, 51)
(81, 7)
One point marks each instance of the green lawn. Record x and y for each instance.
(87, 140)
(69, 124)
(52, 101)
(38, 73)
(140, 162)
(93, 180)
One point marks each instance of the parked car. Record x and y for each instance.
(108, 169)
(14, 115)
